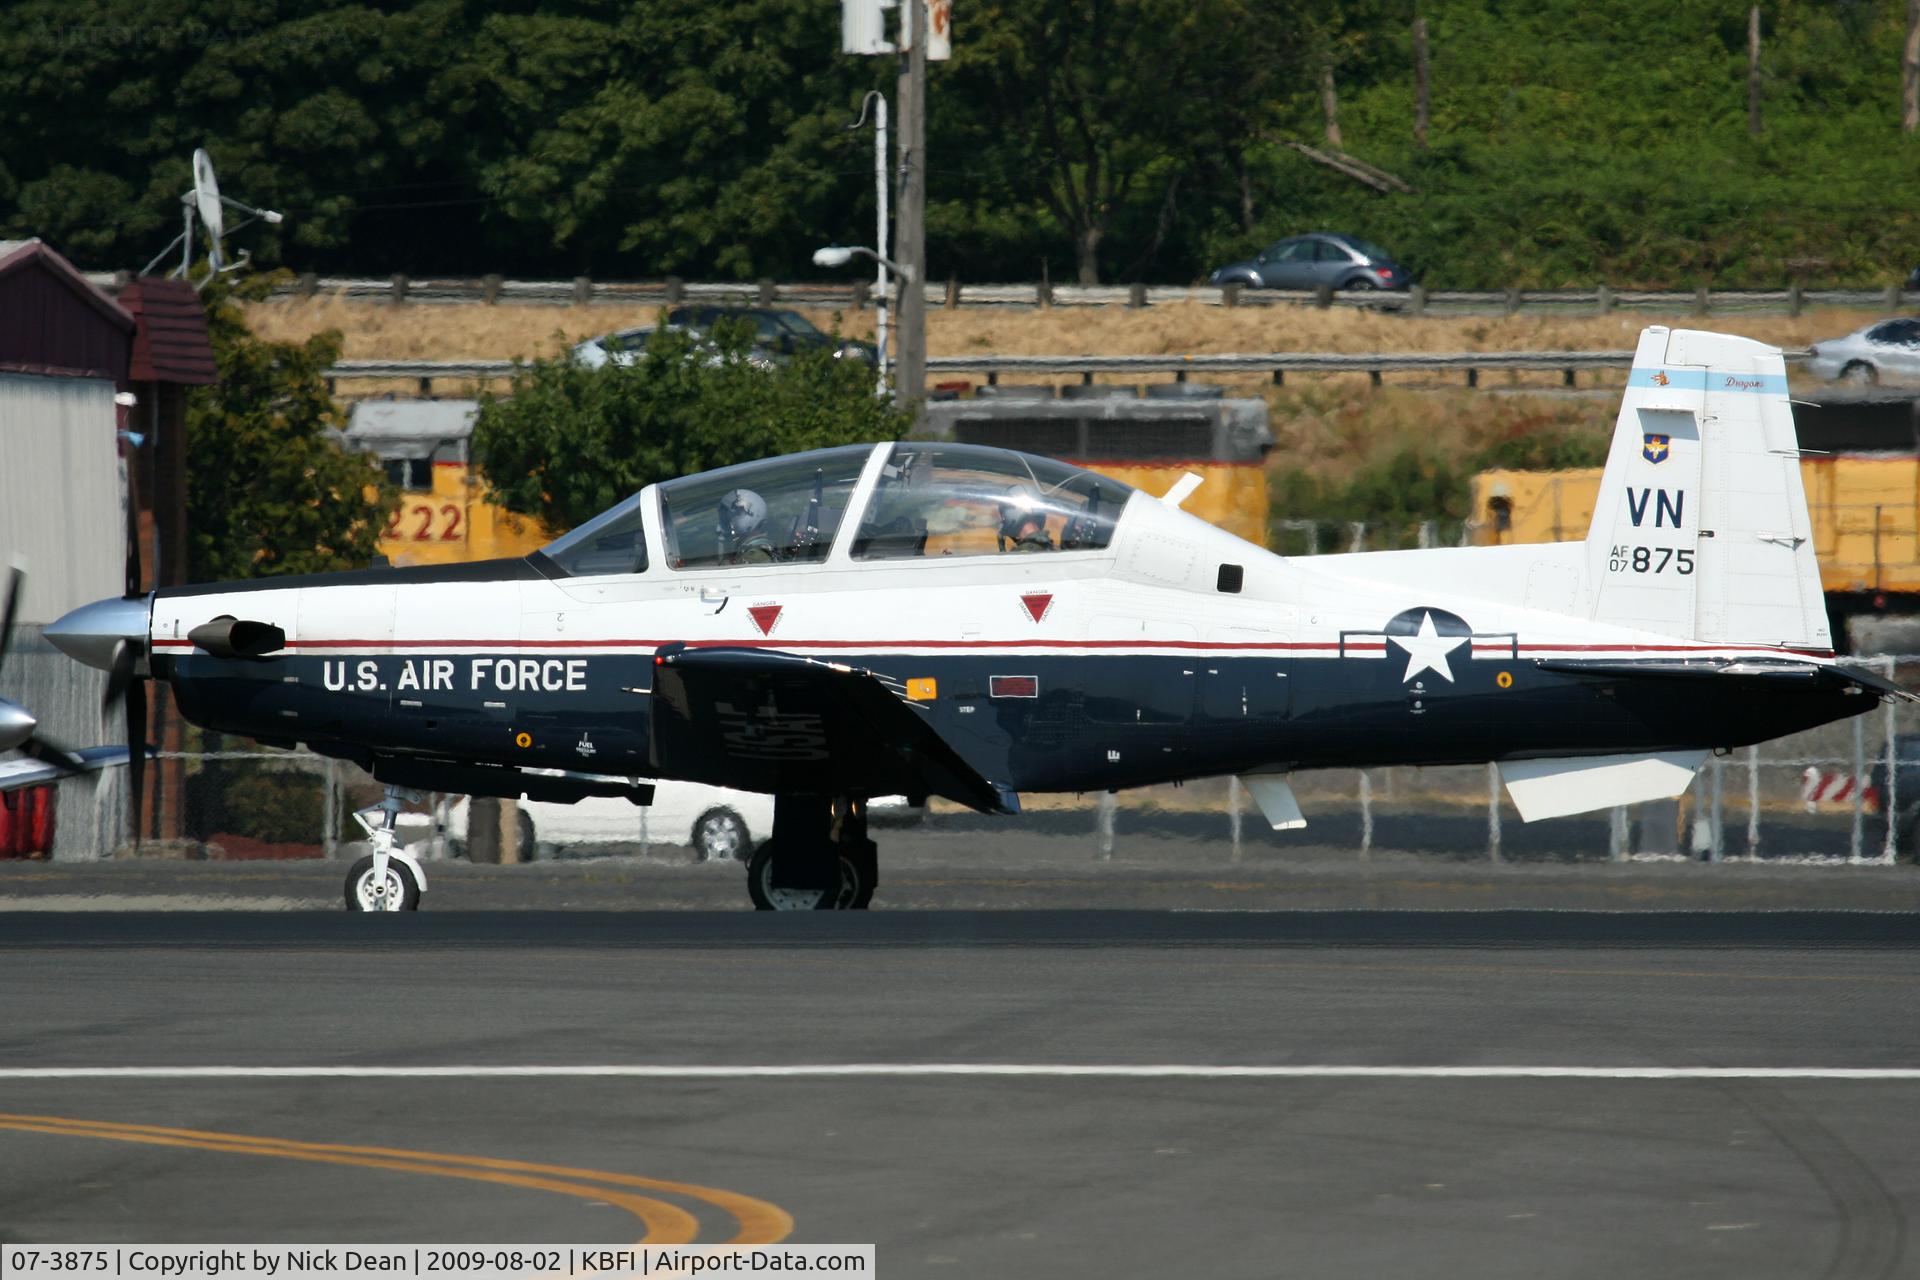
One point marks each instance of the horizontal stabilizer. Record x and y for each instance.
(1702, 669)
(1874, 682)
(1274, 794)
(1556, 788)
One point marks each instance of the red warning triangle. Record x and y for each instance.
(764, 616)
(1037, 604)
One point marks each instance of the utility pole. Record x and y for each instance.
(909, 224)
(1753, 71)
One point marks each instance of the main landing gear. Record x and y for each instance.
(818, 859)
(389, 878)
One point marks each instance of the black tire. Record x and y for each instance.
(524, 835)
(865, 865)
(1860, 374)
(401, 893)
(720, 835)
(853, 894)
(1361, 284)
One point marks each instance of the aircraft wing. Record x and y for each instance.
(762, 720)
(51, 766)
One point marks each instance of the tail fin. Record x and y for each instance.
(1700, 528)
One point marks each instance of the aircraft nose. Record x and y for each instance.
(16, 725)
(91, 633)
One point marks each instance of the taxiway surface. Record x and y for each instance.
(549, 1075)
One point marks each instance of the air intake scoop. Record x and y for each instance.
(230, 637)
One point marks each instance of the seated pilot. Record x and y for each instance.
(1023, 524)
(743, 520)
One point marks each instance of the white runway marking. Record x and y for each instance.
(917, 1070)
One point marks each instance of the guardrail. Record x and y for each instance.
(858, 294)
(1275, 364)
(493, 290)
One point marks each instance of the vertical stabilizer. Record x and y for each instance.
(1700, 529)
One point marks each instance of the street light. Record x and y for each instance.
(839, 255)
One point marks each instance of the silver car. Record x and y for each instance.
(1884, 349)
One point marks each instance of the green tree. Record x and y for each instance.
(569, 442)
(269, 491)
(1096, 113)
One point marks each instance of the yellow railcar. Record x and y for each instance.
(1864, 509)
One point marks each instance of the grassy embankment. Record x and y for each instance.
(1344, 451)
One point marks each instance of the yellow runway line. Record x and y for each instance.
(760, 1222)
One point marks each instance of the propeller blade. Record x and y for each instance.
(136, 753)
(15, 579)
(134, 590)
(50, 752)
(120, 676)
(124, 686)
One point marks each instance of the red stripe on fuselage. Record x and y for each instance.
(536, 646)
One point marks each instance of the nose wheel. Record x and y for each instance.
(391, 888)
(853, 889)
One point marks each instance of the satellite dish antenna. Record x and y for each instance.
(206, 203)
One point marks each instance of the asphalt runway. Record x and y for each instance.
(1739, 1091)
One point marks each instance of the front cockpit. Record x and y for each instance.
(903, 501)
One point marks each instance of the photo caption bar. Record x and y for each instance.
(427, 1261)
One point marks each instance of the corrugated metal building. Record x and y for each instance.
(64, 348)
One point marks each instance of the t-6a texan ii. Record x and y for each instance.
(937, 619)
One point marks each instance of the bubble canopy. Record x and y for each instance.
(931, 500)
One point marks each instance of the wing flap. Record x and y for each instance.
(763, 720)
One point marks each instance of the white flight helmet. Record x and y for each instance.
(742, 514)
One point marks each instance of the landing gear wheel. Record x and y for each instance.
(396, 891)
(720, 836)
(864, 863)
(853, 893)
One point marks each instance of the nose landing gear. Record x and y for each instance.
(389, 878)
(818, 859)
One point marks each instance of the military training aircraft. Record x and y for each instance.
(928, 618)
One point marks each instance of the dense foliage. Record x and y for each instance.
(569, 442)
(269, 490)
(1117, 139)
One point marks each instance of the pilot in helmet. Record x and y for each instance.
(1023, 523)
(743, 520)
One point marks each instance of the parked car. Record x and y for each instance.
(1309, 261)
(1886, 348)
(777, 334)
(627, 346)
(718, 823)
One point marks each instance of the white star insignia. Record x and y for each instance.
(1427, 650)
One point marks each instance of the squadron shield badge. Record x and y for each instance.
(1654, 447)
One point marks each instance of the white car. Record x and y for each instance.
(1884, 349)
(717, 823)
